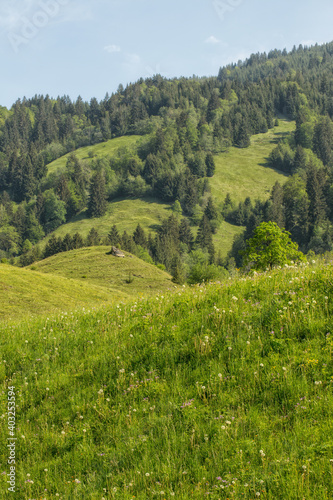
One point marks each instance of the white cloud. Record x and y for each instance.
(112, 48)
(212, 39)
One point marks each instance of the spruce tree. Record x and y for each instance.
(93, 238)
(97, 202)
(139, 237)
(211, 210)
(114, 236)
(210, 165)
(185, 233)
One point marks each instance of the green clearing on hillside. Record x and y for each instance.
(29, 293)
(220, 391)
(244, 172)
(126, 214)
(100, 150)
(94, 265)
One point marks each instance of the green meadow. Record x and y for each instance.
(87, 153)
(221, 391)
(130, 275)
(26, 293)
(245, 172)
(126, 214)
(87, 277)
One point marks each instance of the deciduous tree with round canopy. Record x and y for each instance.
(271, 246)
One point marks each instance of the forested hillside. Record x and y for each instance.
(181, 127)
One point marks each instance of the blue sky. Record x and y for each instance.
(87, 48)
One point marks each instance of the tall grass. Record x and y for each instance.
(220, 391)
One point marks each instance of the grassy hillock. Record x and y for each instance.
(100, 150)
(129, 275)
(26, 293)
(222, 391)
(85, 277)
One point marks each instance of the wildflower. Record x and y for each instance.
(248, 342)
(45, 470)
(284, 368)
(257, 494)
(262, 453)
(223, 427)
(147, 474)
(228, 422)
(230, 348)
(122, 370)
(220, 375)
(262, 365)
(304, 467)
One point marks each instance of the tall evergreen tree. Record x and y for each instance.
(97, 203)
(139, 236)
(114, 237)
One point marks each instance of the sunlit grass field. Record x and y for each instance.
(220, 391)
(99, 150)
(130, 275)
(245, 172)
(87, 277)
(126, 214)
(26, 293)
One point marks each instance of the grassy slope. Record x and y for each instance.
(103, 149)
(25, 293)
(228, 385)
(84, 277)
(244, 172)
(126, 214)
(95, 266)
